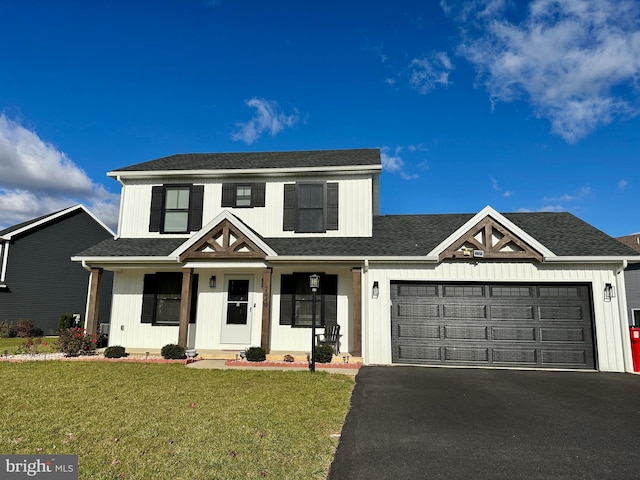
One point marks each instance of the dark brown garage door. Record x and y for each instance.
(523, 325)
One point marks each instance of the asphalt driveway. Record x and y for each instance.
(432, 423)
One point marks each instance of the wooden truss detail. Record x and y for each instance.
(224, 241)
(489, 239)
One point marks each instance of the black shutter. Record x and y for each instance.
(149, 295)
(287, 299)
(290, 208)
(194, 298)
(332, 206)
(155, 219)
(228, 195)
(257, 194)
(195, 210)
(329, 287)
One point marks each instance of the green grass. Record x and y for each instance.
(15, 344)
(148, 421)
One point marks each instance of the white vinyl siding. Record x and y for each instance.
(608, 320)
(355, 206)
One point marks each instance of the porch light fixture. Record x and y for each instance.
(609, 292)
(376, 290)
(314, 284)
(212, 281)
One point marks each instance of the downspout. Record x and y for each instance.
(364, 341)
(624, 317)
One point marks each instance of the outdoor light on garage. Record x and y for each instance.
(609, 292)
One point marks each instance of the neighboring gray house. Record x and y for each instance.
(38, 280)
(632, 281)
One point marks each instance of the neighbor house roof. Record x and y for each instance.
(632, 241)
(258, 160)
(402, 236)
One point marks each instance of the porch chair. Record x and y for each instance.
(331, 336)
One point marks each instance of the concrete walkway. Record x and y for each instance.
(221, 364)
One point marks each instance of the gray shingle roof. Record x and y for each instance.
(258, 160)
(404, 235)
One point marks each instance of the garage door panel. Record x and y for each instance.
(465, 311)
(517, 312)
(562, 334)
(561, 313)
(465, 332)
(494, 324)
(417, 331)
(419, 354)
(467, 354)
(514, 334)
(516, 356)
(417, 310)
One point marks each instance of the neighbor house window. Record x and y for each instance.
(296, 300)
(310, 207)
(243, 195)
(176, 208)
(162, 296)
(635, 317)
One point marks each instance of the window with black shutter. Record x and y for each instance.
(310, 207)
(296, 300)
(161, 298)
(176, 208)
(243, 195)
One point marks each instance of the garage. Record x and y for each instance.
(492, 324)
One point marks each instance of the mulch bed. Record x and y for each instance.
(245, 363)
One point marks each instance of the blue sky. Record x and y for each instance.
(524, 106)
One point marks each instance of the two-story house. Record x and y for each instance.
(215, 251)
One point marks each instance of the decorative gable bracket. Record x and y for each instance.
(489, 239)
(223, 241)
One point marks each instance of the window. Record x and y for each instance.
(310, 207)
(635, 317)
(243, 195)
(176, 208)
(161, 298)
(296, 300)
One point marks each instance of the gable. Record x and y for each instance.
(490, 239)
(224, 240)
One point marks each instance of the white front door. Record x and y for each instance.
(236, 324)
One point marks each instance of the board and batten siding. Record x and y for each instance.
(127, 329)
(288, 338)
(355, 207)
(610, 336)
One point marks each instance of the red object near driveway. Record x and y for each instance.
(635, 347)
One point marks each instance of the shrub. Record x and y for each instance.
(25, 328)
(103, 340)
(173, 352)
(115, 351)
(75, 341)
(324, 353)
(66, 321)
(7, 329)
(255, 354)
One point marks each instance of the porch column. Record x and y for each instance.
(265, 340)
(356, 349)
(93, 303)
(185, 306)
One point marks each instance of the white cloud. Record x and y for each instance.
(393, 163)
(576, 61)
(37, 179)
(622, 184)
(497, 188)
(428, 72)
(584, 192)
(268, 118)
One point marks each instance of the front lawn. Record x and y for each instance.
(143, 421)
